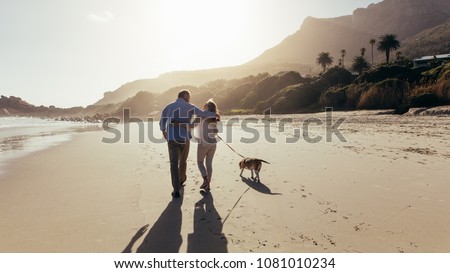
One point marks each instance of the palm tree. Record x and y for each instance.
(343, 53)
(360, 64)
(372, 42)
(324, 59)
(363, 51)
(387, 43)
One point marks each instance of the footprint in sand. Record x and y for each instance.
(400, 250)
(330, 210)
(413, 245)
(361, 226)
(329, 238)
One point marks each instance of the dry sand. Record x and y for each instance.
(386, 189)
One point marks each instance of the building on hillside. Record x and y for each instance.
(428, 60)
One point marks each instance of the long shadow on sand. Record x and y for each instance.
(165, 234)
(139, 233)
(258, 186)
(207, 236)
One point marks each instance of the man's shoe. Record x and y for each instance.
(176, 194)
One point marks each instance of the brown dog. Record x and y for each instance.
(253, 164)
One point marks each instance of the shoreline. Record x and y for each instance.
(384, 190)
(29, 135)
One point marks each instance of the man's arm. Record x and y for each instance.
(201, 113)
(163, 122)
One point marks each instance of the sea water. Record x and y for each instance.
(20, 136)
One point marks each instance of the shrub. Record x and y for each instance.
(387, 94)
(239, 112)
(384, 72)
(440, 89)
(294, 98)
(336, 98)
(269, 86)
(353, 93)
(335, 76)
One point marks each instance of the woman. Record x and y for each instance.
(207, 131)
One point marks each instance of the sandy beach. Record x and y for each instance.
(386, 189)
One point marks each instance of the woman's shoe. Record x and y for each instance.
(205, 182)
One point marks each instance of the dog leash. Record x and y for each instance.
(230, 147)
(242, 195)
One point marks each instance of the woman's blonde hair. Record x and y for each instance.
(212, 106)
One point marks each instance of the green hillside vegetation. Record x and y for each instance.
(268, 87)
(435, 90)
(388, 86)
(384, 87)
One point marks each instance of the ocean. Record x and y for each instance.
(20, 136)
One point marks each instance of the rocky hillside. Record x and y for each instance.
(405, 18)
(432, 41)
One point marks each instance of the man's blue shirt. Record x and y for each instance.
(180, 111)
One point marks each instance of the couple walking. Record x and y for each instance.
(176, 124)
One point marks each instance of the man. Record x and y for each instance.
(179, 112)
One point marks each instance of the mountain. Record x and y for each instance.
(402, 17)
(433, 41)
(314, 36)
(298, 52)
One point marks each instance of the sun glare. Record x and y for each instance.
(199, 27)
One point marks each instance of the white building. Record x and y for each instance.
(427, 60)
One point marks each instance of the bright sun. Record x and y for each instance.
(200, 27)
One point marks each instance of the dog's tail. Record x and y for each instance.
(264, 161)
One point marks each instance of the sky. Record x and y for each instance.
(69, 52)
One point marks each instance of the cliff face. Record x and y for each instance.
(432, 41)
(403, 17)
